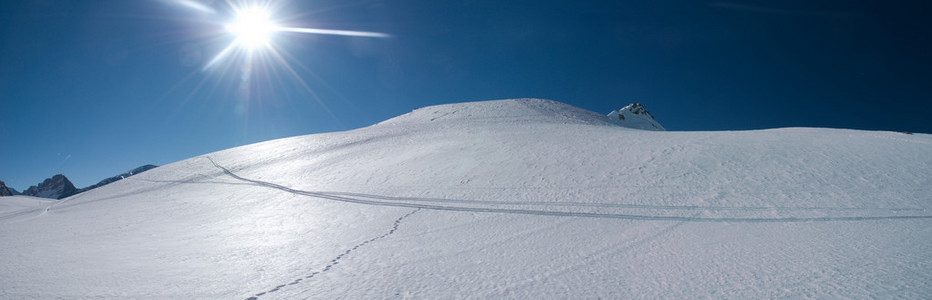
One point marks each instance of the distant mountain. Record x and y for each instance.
(118, 177)
(57, 187)
(635, 116)
(7, 191)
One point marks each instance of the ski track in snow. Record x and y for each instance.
(369, 200)
(336, 260)
(19, 213)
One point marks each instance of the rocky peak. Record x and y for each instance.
(635, 116)
(638, 109)
(57, 187)
(6, 191)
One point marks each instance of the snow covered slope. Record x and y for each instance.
(18, 206)
(501, 199)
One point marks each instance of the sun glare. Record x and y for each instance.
(252, 28)
(254, 61)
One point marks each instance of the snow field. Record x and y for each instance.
(500, 199)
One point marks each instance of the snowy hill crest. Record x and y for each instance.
(527, 110)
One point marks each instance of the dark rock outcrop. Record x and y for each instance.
(57, 187)
(635, 116)
(6, 191)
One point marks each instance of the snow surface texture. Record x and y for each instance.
(500, 199)
(18, 205)
(635, 116)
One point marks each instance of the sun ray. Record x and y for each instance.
(196, 6)
(313, 74)
(252, 61)
(335, 32)
(253, 29)
(304, 84)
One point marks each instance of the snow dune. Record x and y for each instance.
(518, 198)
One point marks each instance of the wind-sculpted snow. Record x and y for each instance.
(514, 199)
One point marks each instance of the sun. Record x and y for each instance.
(254, 58)
(252, 28)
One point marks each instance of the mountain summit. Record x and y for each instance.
(635, 116)
(6, 191)
(57, 187)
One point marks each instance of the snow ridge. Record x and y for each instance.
(526, 110)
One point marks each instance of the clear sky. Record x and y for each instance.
(92, 88)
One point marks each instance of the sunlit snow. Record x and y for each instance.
(501, 199)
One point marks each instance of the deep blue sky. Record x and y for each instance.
(93, 88)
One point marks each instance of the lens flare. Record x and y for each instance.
(254, 59)
(252, 28)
